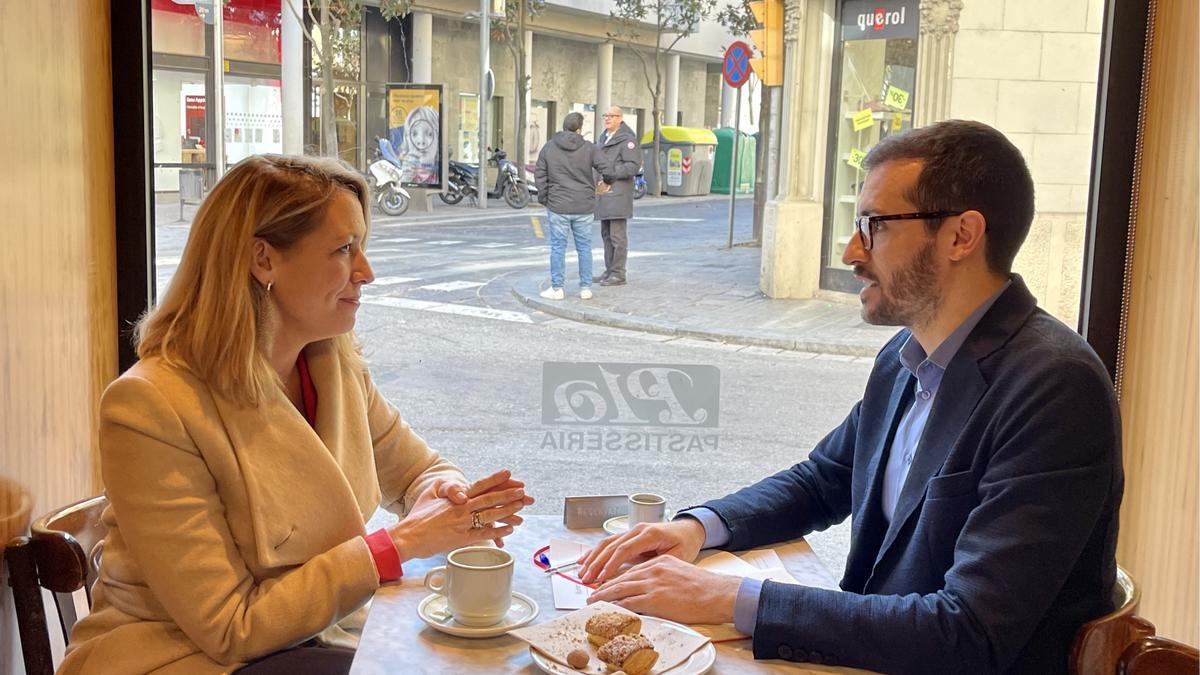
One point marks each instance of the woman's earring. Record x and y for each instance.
(269, 285)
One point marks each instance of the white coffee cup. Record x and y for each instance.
(477, 583)
(646, 508)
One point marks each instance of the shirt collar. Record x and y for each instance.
(912, 354)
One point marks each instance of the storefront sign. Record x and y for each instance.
(879, 19)
(863, 119)
(415, 132)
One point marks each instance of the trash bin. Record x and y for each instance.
(687, 156)
(747, 147)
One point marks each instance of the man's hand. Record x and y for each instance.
(679, 538)
(672, 589)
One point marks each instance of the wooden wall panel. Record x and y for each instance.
(57, 282)
(1159, 523)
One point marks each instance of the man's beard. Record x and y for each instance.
(910, 297)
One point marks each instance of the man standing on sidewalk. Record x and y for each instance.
(615, 207)
(567, 188)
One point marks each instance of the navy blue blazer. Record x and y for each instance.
(1003, 539)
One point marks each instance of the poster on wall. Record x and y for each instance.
(415, 133)
(468, 128)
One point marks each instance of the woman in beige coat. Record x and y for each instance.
(245, 450)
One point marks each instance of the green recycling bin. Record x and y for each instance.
(686, 153)
(747, 148)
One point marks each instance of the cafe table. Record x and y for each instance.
(395, 639)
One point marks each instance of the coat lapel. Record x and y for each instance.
(868, 523)
(959, 393)
(301, 502)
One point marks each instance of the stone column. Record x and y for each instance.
(728, 103)
(422, 48)
(604, 63)
(793, 218)
(422, 73)
(291, 76)
(935, 55)
(528, 95)
(671, 105)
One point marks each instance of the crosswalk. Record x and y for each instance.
(450, 276)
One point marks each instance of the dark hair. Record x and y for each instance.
(573, 122)
(968, 165)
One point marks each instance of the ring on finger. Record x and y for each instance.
(476, 521)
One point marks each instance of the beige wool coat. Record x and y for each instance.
(235, 532)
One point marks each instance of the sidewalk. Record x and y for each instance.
(710, 294)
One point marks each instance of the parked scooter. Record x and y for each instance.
(459, 184)
(384, 180)
(510, 186)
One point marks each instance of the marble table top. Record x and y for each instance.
(396, 640)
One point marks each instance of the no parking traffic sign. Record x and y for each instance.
(736, 66)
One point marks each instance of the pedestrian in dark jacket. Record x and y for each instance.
(615, 207)
(565, 177)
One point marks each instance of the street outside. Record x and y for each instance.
(463, 358)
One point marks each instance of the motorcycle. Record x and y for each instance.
(639, 184)
(384, 180)
(510, 186)
(459, 184)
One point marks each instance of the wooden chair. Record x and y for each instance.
(1119, 641)
(1158, 656)
(61, 555)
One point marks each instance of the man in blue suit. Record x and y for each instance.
(981, 469)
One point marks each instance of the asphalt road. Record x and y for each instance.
(465, 363)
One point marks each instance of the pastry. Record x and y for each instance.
(633, 654)
(605, 626)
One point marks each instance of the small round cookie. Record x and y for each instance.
(605, 626)
(633, 654)
(578, 659)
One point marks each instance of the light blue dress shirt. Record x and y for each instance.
(928, 371)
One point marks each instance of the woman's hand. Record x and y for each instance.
(437, 524)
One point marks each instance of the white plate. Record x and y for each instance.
(620, 524)
(434, 612)
(697, 664)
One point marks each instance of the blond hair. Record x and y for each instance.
(214, 318)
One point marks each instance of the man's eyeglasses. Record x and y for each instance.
(867, 226)
(606, 115)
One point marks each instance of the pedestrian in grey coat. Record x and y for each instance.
(614, 208)
(567, 188)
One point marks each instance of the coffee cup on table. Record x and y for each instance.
(645, 507)
(477, 583)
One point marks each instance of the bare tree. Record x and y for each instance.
(671, 21)
(510, 30)
(334, 18)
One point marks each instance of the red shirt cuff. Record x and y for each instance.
(387, 558)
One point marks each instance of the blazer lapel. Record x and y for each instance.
(868, 521)
(300, 502)
(959, 392)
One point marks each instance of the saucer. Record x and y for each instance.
(620, 524)
(433, 610)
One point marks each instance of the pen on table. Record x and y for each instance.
(552, 570)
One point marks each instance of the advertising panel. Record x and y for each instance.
(415, 130)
